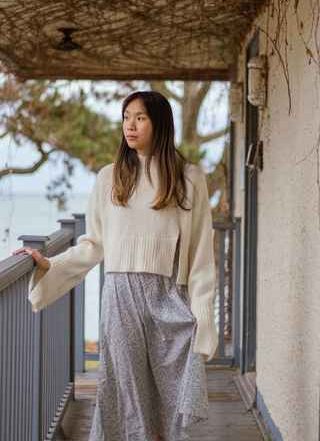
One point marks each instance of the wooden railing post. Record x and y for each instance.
(70, 224)
(37, 242)
(221, 269)
(79, 304)
(236, 291)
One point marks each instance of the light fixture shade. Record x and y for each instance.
(257, 80)
(236, 101)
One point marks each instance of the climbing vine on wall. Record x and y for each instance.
(278, 44)
(278, 11)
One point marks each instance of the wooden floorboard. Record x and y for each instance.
(229, 420)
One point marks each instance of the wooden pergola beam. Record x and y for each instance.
(183, 75)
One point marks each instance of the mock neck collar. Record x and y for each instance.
(140, 153)
(143, 158)
(153, 166)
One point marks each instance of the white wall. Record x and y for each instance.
(288, 285)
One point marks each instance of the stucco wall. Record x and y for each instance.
(288, 281)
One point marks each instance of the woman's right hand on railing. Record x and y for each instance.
(41, 261)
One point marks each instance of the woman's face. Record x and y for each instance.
(137, 127)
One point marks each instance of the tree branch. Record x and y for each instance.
(4, 134)
(213, 135)
(203, 90)
(161, 87)
(25, 170)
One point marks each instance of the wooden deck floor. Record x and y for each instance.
(229, 420)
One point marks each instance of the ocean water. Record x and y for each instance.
(34, 214)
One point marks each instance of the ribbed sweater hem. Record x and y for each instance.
(148, 253)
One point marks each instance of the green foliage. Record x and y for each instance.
(43, 115)
(192, 152)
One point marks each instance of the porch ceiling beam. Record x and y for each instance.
(185, 75)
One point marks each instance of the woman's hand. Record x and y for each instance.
(41, 261)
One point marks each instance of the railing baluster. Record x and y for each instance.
(222, 237)
(236, 294)
(79, 305)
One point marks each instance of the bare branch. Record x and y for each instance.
(161, 87)
(25, 170)
(4, 134)
(213, 135)
(203, 90)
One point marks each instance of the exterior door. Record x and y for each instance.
(248, 358)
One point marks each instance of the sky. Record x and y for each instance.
(82, 181)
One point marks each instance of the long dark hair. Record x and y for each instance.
(171, 163)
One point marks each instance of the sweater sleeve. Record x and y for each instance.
(202, 273)
(68, 268)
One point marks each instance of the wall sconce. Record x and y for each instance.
(236, 101)
(257, 80)
(254, 159)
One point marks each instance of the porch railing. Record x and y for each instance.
(39, 353)
(227, 247)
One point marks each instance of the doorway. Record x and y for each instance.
(248, 353)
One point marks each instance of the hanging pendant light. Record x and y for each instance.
(67, 44)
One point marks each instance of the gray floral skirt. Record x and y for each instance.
(150, 381)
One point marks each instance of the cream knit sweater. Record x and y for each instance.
(137, 238)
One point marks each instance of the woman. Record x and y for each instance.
(149, 219)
